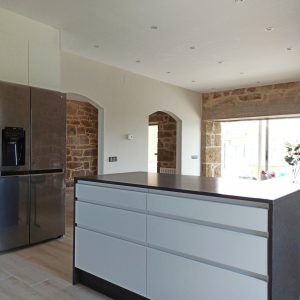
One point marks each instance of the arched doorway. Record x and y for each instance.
(84, 144)
(164, 143)
(82, 140)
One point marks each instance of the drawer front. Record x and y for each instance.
(114, 260)
(111, 220)
(111, 196)
(235, 249)
(171, 277)
(245, 217)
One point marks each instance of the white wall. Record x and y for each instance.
(127, 100)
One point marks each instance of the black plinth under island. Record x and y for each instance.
(158, 236)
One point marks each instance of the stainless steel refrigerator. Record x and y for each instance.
(32, 164)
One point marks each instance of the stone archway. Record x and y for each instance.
(82, 140)
(168, 142)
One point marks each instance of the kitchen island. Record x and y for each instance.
(158, 236)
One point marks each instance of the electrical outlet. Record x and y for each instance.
(112, 158)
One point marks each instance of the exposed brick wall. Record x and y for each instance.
(254, 102)
(167, 136)
(82, 140)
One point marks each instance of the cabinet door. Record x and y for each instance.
(107, 195)
(13, 59)
(120, 262)
(209, 210)
(171, 277)
(44, 66)
(123, 223)
(239, 250)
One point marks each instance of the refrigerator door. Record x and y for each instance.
(14, 212)
(15, 113)
(47, 218)
(48, 129)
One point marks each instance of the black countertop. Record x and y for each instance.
(263, 191)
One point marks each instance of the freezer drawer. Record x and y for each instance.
(47, 218)
(14, 212)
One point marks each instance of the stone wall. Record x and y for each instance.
(82, 140)
(263, 101)
(167, 136)
(254, 102)
(211, 149)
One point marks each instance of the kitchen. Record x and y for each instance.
(41, 57)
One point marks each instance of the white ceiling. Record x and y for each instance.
(228, 31)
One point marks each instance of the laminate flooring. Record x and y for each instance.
(43, 271)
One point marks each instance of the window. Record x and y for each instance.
(248, 147)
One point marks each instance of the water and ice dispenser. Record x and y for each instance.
(13, 146)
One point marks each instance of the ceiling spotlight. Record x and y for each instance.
(220, 62)
(269, 28)
(137, 61)
(289, 48)
(154, 27)
(96, 46)
(168, 72)
(192, 47)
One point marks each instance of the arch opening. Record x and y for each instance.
(164, 143)
(84, 138)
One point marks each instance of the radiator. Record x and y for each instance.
(167, 170)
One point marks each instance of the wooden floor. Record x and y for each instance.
(43, 271)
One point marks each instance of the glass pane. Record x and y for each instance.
(241, 149)
(281, 133)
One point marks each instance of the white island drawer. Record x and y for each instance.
(119, 222)
(120, 262)
(234, 249)
(111, 196)
(171, 277)
(245, 217)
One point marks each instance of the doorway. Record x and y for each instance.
(162, 143)
(152, 147)
(82, 140)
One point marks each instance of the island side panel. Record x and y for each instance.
(286, 248)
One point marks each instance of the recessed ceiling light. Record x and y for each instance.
(168, 72)
(258, 82)
(220, 62)
(137, 61)
(242, 73)
(193, 81)
(96, 46)
(289, 48)
(154, 27)
(192, 47)
(239, 1)
(269, 28)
